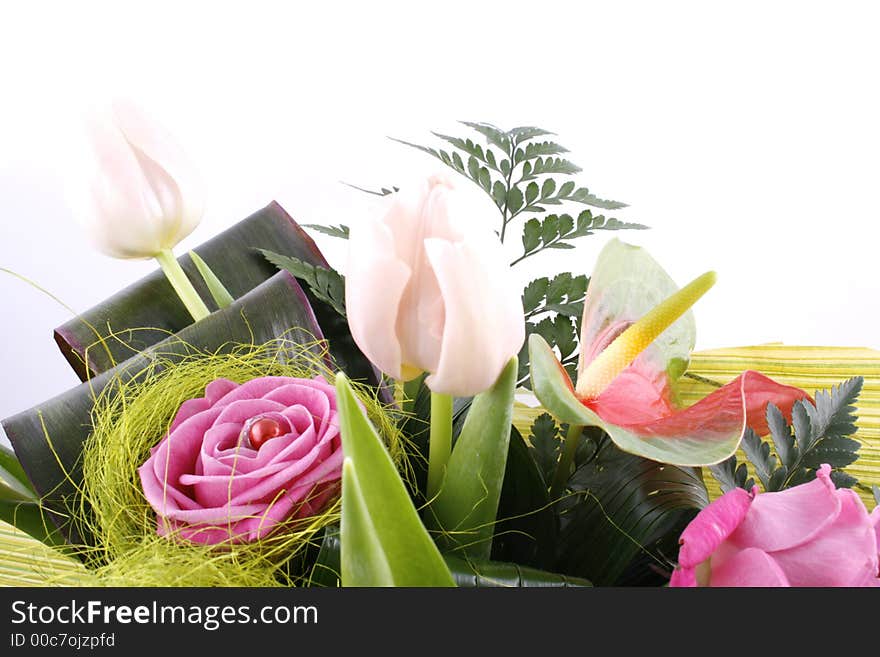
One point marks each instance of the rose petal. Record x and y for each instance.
(711, 526)
(842, 553)
(778, 521)
(749, 567)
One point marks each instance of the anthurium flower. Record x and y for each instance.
(808, 535)
(636, 337)
(428, 290)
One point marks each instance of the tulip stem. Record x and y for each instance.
(182, 285)
(563, 468)
(441, 441)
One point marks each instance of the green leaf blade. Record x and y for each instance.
(466, 507)
(383, 541)
(218, 291)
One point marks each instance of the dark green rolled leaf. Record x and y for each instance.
(48, 438)
(468, 574)
(32, 520)
(465, 509)
(626, 517)
(148, 311)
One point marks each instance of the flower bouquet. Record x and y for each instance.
(249, 417)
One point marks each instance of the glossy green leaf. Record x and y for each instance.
(383, 541)
(31, 519)
(218, 292)
(14, 484)
(625, 519)
(465, 509)
(467, 574)
(148, 311)
(698, 445)
(526, 528)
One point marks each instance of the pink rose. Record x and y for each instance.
(808, 535)
(245, 458)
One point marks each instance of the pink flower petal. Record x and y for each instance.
(778, 521)
(712, 526)
(749, 567)
(841, 553)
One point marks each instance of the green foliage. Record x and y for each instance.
(556, 231)
(341, 231)
(623, 522)
(523, 174)
(553, 309)
(818, 434)
(466, 507)
(328, 285)
(383, 542)
(546, 445)
(218, 291)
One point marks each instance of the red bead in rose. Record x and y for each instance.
(244, 459)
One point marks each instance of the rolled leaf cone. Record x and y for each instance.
(148, 311)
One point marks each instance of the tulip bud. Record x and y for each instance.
(428, 289)
(142, 195)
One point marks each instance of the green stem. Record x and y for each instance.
(181, 284)
(441, 441)
(563, 468)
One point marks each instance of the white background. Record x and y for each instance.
(746, 134)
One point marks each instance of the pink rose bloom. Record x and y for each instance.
(243, 459)
(808, 535)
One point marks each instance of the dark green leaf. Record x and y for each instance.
(532, 191)
(499, 193)
(327, 285)
(341, 231)
(549, 229)
(548, 188)
(514, 200)
(494, 135)
(836, 452)
(531, 235)
(466, 573)
(525, 531)
(559, 288)
(533, 294)
(626, 506)
(842, 479)
(148, 311)
(758, 453)
(525, 133)
(546, 445)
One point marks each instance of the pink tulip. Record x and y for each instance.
(808, 535)
(427, 289)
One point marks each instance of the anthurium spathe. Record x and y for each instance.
(637, 333)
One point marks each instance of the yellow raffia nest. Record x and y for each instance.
(132, 416)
